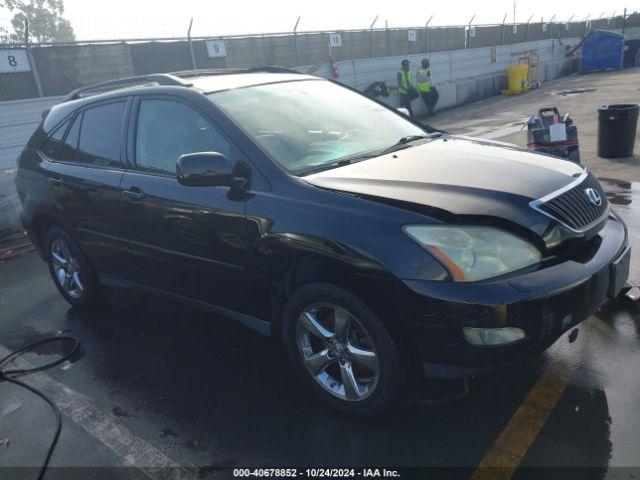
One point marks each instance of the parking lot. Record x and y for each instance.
(162, 387)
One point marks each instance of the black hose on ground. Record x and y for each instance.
(9, 376)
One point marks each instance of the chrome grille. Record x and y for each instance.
(573, 207)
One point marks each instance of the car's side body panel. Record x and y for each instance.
(192, 241)
(90, 200)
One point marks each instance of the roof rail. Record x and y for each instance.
(153, 79)
(273, 69)
(173, 78)
(203, 72)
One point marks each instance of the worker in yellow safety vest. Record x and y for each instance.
(426, 87)
(406, 90)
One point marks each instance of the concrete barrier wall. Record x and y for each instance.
(462, 76)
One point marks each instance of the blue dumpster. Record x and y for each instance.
(602, 51)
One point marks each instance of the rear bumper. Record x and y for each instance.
(544, 304)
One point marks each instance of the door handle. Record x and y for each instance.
(55, 181)
(134, 194)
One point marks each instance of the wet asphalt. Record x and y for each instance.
(207, 392)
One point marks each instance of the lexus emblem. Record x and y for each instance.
(593, 196)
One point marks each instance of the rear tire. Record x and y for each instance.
(341, 351)
(73, 275)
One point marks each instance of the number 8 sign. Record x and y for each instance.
(12, 61)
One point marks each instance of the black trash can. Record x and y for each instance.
(617, 130)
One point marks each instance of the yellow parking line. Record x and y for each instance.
(602, 326)
(504, 456)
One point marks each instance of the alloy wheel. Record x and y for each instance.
(337, 351)
(66, 268)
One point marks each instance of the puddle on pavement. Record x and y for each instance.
(622, 192)
(573, 91)
(492, 132)
(47, 353)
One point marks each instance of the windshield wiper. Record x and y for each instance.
(343, 162)
(400, 144)
(411, 138)
(405, 141)
(329, 166)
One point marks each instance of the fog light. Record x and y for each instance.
(493, 336)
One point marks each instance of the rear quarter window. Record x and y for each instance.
(69, 151)
(51, 146)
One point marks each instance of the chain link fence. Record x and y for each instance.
(42, 70)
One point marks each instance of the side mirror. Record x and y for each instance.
(204, 169)
(403, 111)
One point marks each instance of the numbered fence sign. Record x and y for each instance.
(335, 40)
(544, 27)
(412, 35)
(14, 61)
(472, 32)
(515, 29)
(216, 48)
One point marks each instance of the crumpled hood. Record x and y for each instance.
(459, 175)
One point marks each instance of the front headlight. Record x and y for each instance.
(475, 253)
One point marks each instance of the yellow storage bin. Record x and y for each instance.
(518, 77)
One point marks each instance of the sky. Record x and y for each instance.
(113, 19)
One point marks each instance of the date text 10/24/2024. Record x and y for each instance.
(316, 472)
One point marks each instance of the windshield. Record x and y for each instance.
(309, 125)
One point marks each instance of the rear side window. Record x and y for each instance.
(101, 135)
(51, 146)
(168, 129)
(69, 151)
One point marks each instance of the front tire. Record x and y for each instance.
(73, 275)
(341, 350)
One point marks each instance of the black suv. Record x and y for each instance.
(375, 247)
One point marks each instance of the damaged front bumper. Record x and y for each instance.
(543, 304)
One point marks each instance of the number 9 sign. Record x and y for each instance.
(216, 48)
